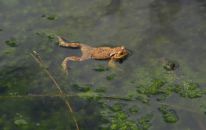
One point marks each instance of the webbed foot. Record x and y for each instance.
(68, 44)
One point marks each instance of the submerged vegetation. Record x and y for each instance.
(12, 42)
(116, 118)
(169, 115)
(120, 115)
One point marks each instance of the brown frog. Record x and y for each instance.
(99, 53)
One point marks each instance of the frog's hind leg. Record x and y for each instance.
(68, 44)
(71, 58)
(66, 60)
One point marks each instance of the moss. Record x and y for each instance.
(117, 107)
(143, 98)
(119, 120)
(50, 36)
(163, 90)
(100, 90)
(110, 77)
(81, 88)
(155, 87)
(101, 68)
(152, 89)
(11, 42)
(144, 122)
(138, 96)
(168, 114)
(189, 90)
(89, 95)
(51, 17)
(133, 110)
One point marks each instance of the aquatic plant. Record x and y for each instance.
(168, 114)
(189, 90)
(11, 42)
(116, 119)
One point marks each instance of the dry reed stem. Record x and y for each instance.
(39, 60)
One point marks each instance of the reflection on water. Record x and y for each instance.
(156, 31)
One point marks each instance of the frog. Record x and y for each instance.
(113, 54)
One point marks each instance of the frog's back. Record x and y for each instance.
(101, 53)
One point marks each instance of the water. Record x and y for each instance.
(156, 31)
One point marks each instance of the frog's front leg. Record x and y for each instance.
(68, 44)
(112, 64)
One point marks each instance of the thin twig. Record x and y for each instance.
(39, 60)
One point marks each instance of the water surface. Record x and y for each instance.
(155, 31)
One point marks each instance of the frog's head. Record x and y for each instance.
(119, 53)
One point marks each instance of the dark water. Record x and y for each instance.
(156, 31)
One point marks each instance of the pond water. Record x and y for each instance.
(160, 85)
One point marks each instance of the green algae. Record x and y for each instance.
(20, 122)
(154, 87)
(134, 110)
(81, 88)
(12, 42)
(119, 120)
(189, 90)
(110, 77)
(168, 114)
(101, 68)
(49, 17)
(203, 108)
